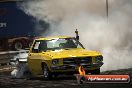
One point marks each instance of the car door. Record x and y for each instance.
(34, 60)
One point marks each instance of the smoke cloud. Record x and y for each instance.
(21, 70)
(112, 37)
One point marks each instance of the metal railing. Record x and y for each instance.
(7, 55)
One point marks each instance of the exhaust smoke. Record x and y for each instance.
(113, 39)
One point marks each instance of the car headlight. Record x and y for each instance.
(55, 61)
(99, 58)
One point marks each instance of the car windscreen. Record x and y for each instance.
(60, 43)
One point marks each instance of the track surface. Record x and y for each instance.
(61, 82)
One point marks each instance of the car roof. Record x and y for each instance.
(55, 37)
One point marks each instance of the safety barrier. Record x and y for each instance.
(6, 56)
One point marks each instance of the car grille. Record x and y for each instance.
(77, 61)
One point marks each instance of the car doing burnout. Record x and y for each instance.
(56, 55)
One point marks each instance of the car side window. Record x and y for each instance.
(35, 48)
(42, 46)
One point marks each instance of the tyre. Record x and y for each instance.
(96, 71)
(17, 62)
(46, 73)
(82, 80)
(17, 45)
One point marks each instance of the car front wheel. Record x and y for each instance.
(46, 73)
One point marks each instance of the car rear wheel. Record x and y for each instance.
(46, 73)
(17, 45)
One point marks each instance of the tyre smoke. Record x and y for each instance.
(112, 37)
(21, 70)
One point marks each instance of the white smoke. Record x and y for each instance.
(20, 71)
(21, 66)
(112, 38)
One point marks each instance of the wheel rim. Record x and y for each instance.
(45, 72)
(18, 46)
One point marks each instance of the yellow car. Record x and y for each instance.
(56, 55)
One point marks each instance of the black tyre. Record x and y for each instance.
(17, 45)
(96, 71)
(82, 80)
(46, 73)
